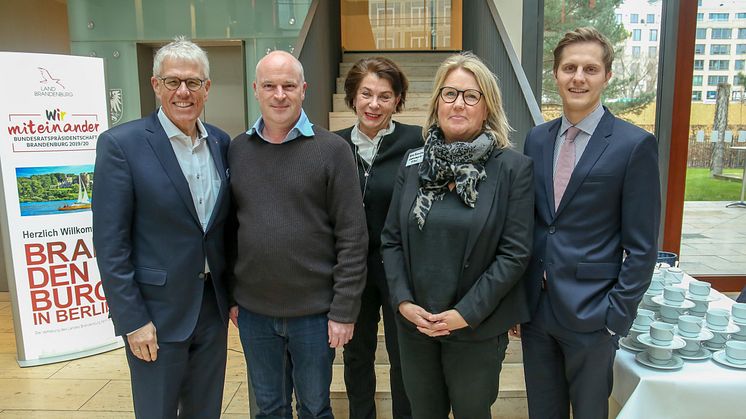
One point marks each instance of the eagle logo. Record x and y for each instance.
(46, 78)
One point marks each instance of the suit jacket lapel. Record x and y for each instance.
(596, 146)
(161, 145)
(486, 189)
(547, 162)
(409, 194)
(217, 159)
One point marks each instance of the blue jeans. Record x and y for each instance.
(285, 354)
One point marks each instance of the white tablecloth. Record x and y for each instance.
(700, 390)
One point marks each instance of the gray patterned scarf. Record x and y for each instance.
(459, 162)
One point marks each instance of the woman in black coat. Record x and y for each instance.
(375, 89)
(455, 244)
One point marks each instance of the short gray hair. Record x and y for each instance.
(181, 49)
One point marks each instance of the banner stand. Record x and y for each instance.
(54, 111)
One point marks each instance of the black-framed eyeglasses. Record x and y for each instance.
(173, 83)
(450, 94)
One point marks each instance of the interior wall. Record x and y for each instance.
(34, 26)
(511, 13)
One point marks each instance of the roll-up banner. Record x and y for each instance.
(51, 115)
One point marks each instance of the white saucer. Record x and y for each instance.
(695, 297)
(674, 363)
(630, 345)
(634, 328)
(676, 343)
(701, 355)
(713, 347)
(658, 299)
(704, 334)
(720, 358)
(731, 328)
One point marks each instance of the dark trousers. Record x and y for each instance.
(441, 374)
(187, 377)
(360, 354)
(564, 368)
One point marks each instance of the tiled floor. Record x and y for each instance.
(91, 388)
(713, 239)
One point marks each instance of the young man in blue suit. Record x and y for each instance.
(597, 211)
(159, 212)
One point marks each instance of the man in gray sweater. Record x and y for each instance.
(300, 248)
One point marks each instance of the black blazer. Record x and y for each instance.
(380, 186)
(490, 292)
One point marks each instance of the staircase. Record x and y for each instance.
(420, 68)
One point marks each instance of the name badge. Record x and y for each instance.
(415, 157)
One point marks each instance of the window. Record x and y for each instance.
(636, 52)
(719, 49)
(696, 96)
(740, 64)
(742, 33)
(650, 18)
(718, 64)
(741, 15)
(634, 18)
(697, 80)
(618, 18)
(715, 80)
(654, 34)
(741, 49)
(699, 49)
(700, 17)
(737, 81)
(701, 33)
(653, 51)
(712, 94)
(699, 64)
(636, 34)
(719, 17)
(721, 33)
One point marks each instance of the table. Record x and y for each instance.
(699, 390)
(741, 202)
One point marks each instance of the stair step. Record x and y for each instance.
(504, 408)
(513, 355)
(340, 120)
(410, 68)
(512, 383)
(417, 84)
(415, 102)
(424, 56)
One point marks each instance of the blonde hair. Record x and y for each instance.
(496, 123)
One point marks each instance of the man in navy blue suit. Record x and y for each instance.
(597, 211)
(159, 210)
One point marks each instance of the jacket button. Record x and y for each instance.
(201, 275)
(551, 229)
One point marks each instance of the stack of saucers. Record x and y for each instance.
(674, 275)
(640, 325)
(660, 343)
(733, 356)
(672, 303)
(738, 315)
(690, 329)
(700, 293)
(718, 322)
(657, 283)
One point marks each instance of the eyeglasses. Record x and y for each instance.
(173, 83)
(450, 94)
